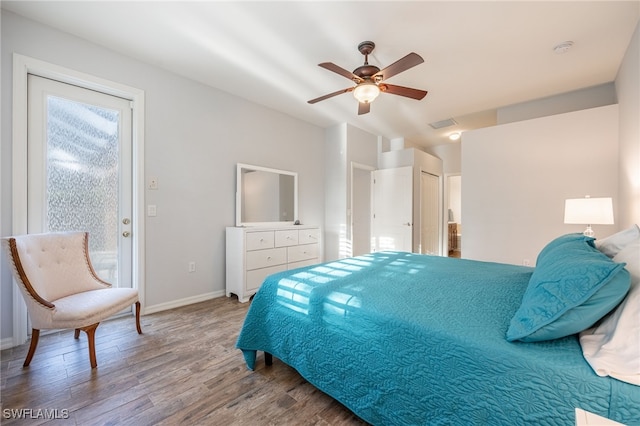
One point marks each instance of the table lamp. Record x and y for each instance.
(588, 211)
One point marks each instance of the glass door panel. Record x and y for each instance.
(79, 171)
(82, 177)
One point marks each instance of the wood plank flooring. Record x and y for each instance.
(184, 370)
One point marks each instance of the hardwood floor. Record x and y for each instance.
(183, 370)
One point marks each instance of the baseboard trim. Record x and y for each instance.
(6, 343)
(182, 302)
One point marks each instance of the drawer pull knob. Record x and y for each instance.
(268, 257)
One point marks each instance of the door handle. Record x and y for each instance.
(126, 234)
(126, 221)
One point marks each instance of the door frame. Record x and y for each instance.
(22, 66)
(365, 168)
(445, 212)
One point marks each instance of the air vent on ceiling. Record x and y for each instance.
(443, 123)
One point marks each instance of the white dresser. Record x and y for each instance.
(253, 253)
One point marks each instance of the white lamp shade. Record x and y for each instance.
(366, 92)
(589, 211)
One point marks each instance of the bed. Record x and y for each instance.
(409, 339)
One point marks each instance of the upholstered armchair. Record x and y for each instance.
(60, 286)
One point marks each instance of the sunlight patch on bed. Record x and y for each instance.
(332, 272)
(340, 304)
(294, 292)
(406, 266)
(294, 295)
(357, 261)
(313, 277)
(345, 266)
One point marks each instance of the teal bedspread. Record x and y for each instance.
(409, 339)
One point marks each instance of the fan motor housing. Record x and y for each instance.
(365, 71)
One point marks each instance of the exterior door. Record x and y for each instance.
(429, 214)
(392, 224)
(79, 171)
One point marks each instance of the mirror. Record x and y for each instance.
(265, 196)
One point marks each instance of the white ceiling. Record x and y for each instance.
(479, 55)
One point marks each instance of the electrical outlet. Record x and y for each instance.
(192, 266)
(151, 210)
(153, 183)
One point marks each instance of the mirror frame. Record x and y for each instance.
(239, 168)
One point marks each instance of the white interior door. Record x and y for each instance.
(429, 214)
(392, 223)
(79, 171)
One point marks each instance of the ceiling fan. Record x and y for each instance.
(369, 79)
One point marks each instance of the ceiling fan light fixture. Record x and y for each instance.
(370, 80)
(366, 92)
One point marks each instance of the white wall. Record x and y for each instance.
(344, 144)
(589, 97)
(450, 153)
(195, 135)
(626, 170)
(516, 177)
(628, 90)
(335, 197)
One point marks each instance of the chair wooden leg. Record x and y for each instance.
(35, 335)
(91, 338)
(138, 318)
(76, 334)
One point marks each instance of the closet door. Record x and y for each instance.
(392, 224)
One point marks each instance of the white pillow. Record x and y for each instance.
(612, 348)
(616, 242)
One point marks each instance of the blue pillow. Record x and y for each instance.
(567, 240)
(571, 288)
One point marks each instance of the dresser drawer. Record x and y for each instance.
(302, 264)
(265, 258)
(260, 240)
(302, 252)
(308, 236)
(256, 277)
(286, 238)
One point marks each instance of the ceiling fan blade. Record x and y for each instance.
(403, 91)
(409, 61)
(330, 95)
(339, 70)
(363, 107)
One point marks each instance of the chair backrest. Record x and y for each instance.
(52, 265)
